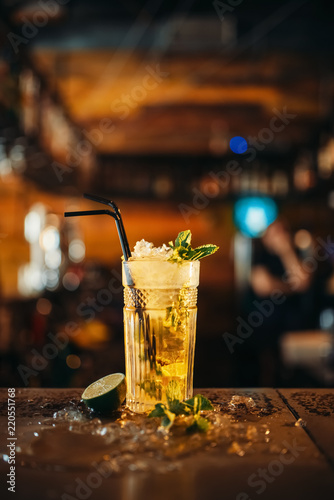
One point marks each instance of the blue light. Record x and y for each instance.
(253, 215)
(238, 145)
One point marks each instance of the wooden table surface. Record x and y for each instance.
(295, 462)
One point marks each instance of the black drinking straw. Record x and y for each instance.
(113, 205)
(102, 212)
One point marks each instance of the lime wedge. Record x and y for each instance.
(106, 394)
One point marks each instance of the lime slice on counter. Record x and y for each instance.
(106, 394)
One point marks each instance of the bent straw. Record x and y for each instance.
(103, 212)
(112, 204)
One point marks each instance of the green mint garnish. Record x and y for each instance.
(159, 411)
(168, 419)
(199, 403)
(200, 424)
(193, 406)
(182, 249)
(183, 238)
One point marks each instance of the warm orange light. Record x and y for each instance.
(44, 306)
(73, 361)
(303, 239)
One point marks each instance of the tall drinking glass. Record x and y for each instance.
(160, 326)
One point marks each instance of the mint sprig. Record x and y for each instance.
(193, 406)
(200, 424)
(182, 249)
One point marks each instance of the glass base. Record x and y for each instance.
(137, 407)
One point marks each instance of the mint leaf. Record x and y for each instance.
(203, 424)
(159, 411)
(203, 251)
(180, 254)
(183, 238)
(199, 403)
(200, 424)
(182, 249)
(168, 419)
(176, 407)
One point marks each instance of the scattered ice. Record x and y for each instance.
(70, 414)
(144, 249)
(129, 429)
(218, 419)
(241, 401)
(110, 432)
(250, 403)
(134, 442)
(251, 432)
(236, 449)
(213, 444)
(300, 423)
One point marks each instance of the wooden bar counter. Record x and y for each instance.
(269, 444)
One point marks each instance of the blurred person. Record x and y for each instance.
(276, 268)
(277, 265)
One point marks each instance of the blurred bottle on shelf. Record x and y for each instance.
(304, 177)
(279, 183)
(29, 86)
(325, 158)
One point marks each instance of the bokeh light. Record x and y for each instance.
(77, 250)
(32, 226)
(73, 361)
(43, 306)
(49, 239)
(53, 258)
(303, 239)
(71, 281)
(238, 145)
(252, 215)
(50, 279)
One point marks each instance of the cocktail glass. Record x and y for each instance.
(160, 327)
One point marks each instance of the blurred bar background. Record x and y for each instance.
(138, 102)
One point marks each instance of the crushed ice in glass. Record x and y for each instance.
(144, 249)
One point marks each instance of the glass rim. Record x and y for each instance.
(160, 261)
